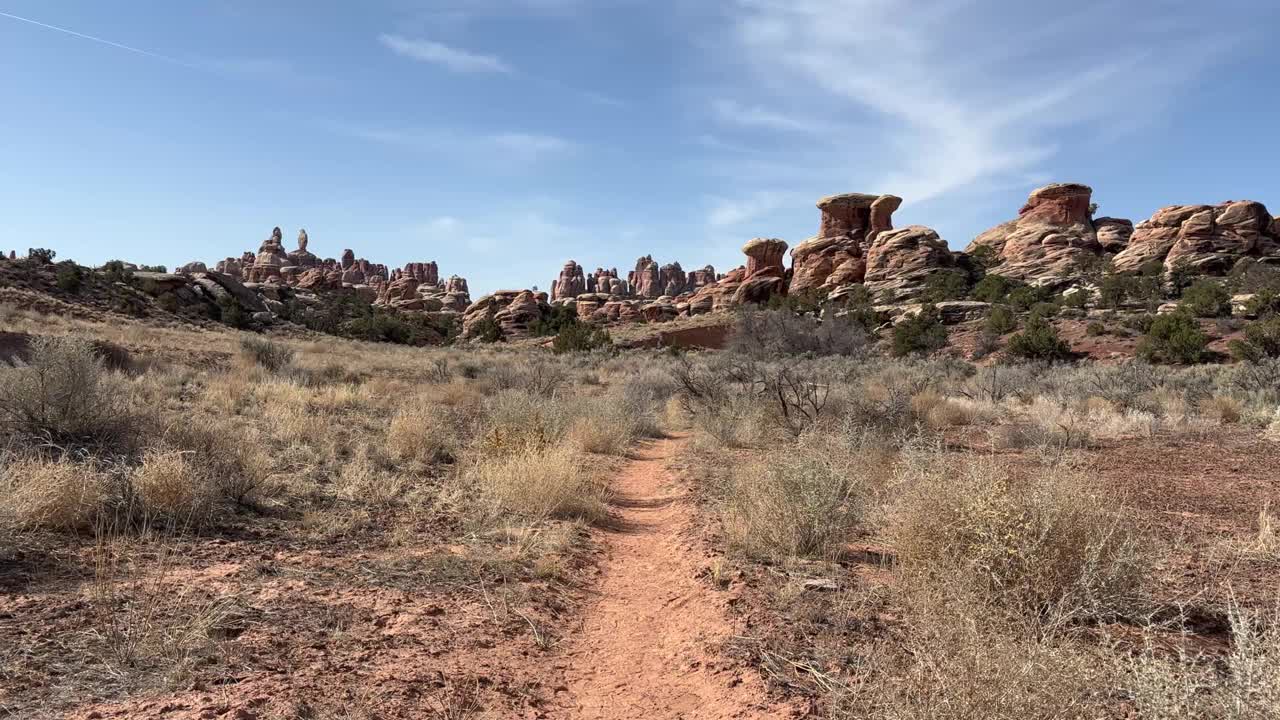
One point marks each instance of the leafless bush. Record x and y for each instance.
(1052, 548)
(808, 499)
(764, 334)
(536, 377)
(65, 395)
(1188, 686)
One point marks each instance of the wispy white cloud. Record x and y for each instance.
(519, 148)
(947, 94)
(757, 116)
(727, 213)
(452, 58)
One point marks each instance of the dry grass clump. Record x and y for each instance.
(65, 395)
(223, 457)
(949, 667)
(536, 483)
(423, 432)
(807, 500)
(53, 494)
(1050, 548)
(1222, 409)
(169, 485)
(271, 356)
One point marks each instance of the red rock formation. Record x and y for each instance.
(1052, 239)
(270, 258)
(699, 279)
(571, 282)
(1207, 239)
(302, 257)
(645, 280)
(673, 279)
(850, 222)
(764, 257)
(513, 310)
(900, 261)
(1113, 233)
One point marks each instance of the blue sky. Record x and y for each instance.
(502, 138)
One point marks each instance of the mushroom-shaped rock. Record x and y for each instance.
(1051, 241)
(764, 256)
(850, 223)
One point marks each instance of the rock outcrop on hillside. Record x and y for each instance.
(1205, 239)
(1052, 239)
(513, 311)
(899, 262)
(414, 288)
(850, 223)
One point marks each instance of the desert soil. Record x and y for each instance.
(650, 643)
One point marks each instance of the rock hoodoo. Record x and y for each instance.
(850, 223)
(1051, 240)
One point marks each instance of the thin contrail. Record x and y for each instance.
(139, 51)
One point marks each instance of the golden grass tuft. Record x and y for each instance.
(537, 483)
(39, 493)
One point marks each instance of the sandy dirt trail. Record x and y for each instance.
(649, 643)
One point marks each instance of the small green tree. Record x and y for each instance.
(1206, 299)
(1261, 340)
(580, 337)
(920, 334)
(115, 271)
(1175, 339)
(69, 277)
(1039, 341)
(487, 330)
(995, 288)
(232, 313)
(1001, 320)
(945, 284)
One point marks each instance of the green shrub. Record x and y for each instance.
(1114, 290)
(487, 330)
(115, 271)
(995, 288)
(390, 327)
(561, 316)
(232, 313)
(1001, 320)
(41, 256)
(945, 285)
(153, 268)
(1078, 299)
(1025, 297)
(920, 334)
(70, 277)
(1045, 310)
(1206, 299)
(1261, 340)
(1263, 302)
(580, 337)
(1039, 341)
(1095, 328)
(1175, 338)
